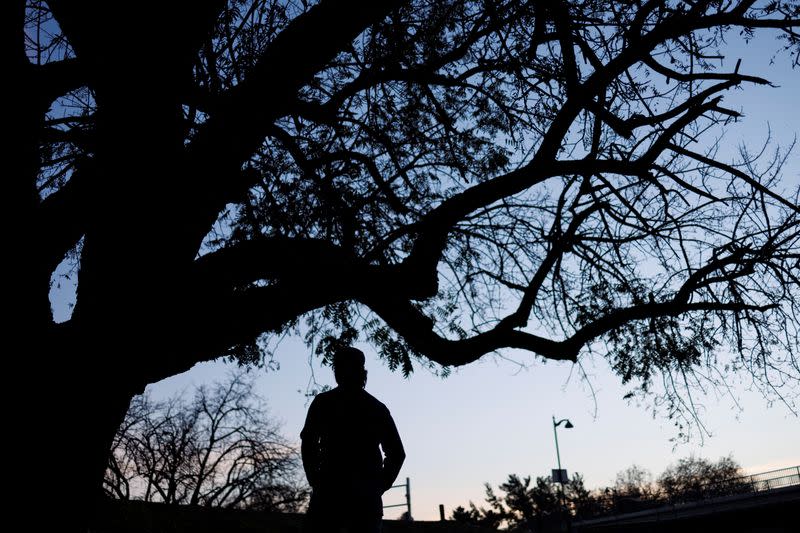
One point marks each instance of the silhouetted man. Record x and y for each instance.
(345, 430)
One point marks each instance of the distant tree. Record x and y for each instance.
(694, 478)
(580, 501)
(635, 482)
(633, 488)
(474, 516)
(447, 178)
(691, 478)
(525, 506)
(220, 449)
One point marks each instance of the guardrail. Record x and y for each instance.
(407, 505)
(764, 481)
(775, 479)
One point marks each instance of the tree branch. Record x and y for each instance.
(734, 172)
(58, 78)
(619, 317)
(434, 227)
(243, 117)
(417, 330)
(62, 216)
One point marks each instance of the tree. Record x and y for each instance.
(694, 478)
(219, 450)
(690, 479)
(474, 516)
(525, 507)
(522, 507)
(636, 482)
(449, 178)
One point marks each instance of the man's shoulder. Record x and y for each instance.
(339, 395)
(379, 405)
(324, 397)
(324, 394)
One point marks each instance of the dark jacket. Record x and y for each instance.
(346, 428)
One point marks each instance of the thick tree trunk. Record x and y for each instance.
(96, 411)
(63, 419)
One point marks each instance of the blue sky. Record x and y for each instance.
(491, 418)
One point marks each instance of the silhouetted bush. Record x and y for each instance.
(522, 505)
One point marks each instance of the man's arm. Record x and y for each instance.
(309, 449)
(393, 451)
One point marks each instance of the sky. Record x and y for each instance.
(490, 419)
(493, 418)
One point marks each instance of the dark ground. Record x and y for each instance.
(141, 517)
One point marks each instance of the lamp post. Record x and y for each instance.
(568, 425)
(561, 473)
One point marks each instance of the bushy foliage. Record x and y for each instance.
(694, 477)
(523, 505)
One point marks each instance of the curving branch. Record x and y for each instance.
(245, 115)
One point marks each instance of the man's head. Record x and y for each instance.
(348, 367)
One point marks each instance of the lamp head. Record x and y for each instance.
(568, 424)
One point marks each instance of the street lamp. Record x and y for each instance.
(561, 474)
